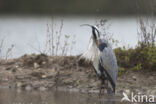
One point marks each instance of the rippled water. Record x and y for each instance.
(8, 96)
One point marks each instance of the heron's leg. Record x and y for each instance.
(109, 89)
(103, 86)
(101, 89)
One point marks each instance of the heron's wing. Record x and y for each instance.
(108, 61)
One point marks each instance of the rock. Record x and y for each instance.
(37, 73)
(19, 90)
(44, 76)
(5, 79)
(18, 84)
(8, 68)
(43, 63)
(28, 88)
(19, 69)
(14, 70)
(42, 88)
(36, 84)
(54, 72)
(36, 65)
(134, 78)
(68, 81)
(20, 77)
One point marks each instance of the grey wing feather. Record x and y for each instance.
(108, 61)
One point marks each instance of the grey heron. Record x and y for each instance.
(103, 59)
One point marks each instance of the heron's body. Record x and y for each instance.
(103, 59)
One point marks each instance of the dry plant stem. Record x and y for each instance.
(1, 46)
(147, 33)
(59, 37)
(58, 43)
(9, 52)
(52, 38)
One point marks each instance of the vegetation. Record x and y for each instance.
(8, 53)
(143, 56)
(58, 43)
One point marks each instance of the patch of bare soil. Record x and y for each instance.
(43, 72)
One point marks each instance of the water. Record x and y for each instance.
(28, 33)
(8, 96)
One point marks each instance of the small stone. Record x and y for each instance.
(14, 70)
(19, 90)
(42, 88)
(28, 88)
(68, 81)
(44, 76)
(18, 84)
(36, 65)
(43, 63)
(19, 69)
(134, 78)
(20, 77)
(10, 72)
(8, 68)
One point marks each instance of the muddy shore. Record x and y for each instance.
(41, 72)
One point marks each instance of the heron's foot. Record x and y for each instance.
(110, 91)
(102, 90)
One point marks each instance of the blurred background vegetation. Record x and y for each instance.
(113, 7)
(143, 56)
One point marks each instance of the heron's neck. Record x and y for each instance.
(91, 52)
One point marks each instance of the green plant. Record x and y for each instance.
(137, 58)
(1, 47)
(121, 70)
(146, 33)
(143, 56)
(137, 67)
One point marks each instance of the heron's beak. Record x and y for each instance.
(86, 25)
(91, 27)
(95, 37)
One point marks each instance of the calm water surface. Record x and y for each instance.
(8, 96)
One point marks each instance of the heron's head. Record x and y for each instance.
(95, 33)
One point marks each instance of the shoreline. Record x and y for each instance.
(41, 72)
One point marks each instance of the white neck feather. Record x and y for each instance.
(91, 52)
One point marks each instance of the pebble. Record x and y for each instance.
(36, 65)
(28, 88)
(42, 88)
(134, 78)
(43, 62)
(44, 76)
(14, 70)
(18, 84)
(20, 77)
